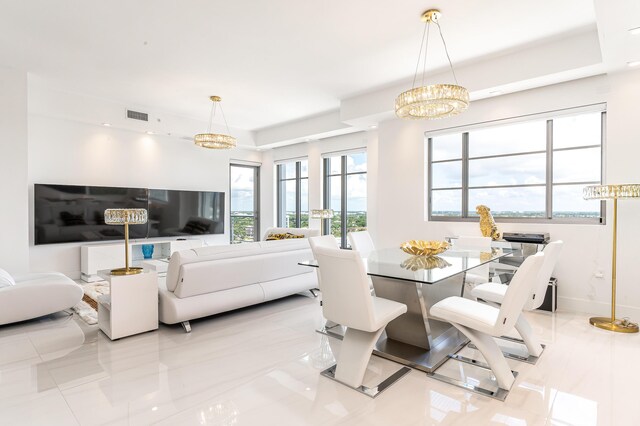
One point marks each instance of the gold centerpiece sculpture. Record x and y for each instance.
(424, 248)
(415, 263)
(125, 217)
(488, 225)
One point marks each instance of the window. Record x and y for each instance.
(245, 199)
(529, 171)
(293, 194)
(345, 192)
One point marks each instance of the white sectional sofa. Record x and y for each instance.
(23, 297)
(210, 280)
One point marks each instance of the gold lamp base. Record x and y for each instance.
(619, 326)
(126, 271)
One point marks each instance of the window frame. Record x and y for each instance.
(281, 180)
(326, 193)
(256, 202)
(548, 184)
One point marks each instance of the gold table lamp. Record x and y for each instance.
(125, 217)
(613, 192)
(321, 214)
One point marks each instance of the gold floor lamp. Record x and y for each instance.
(614, 192)
(125, 217)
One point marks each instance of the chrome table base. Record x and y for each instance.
(529, 359)
(373, 391)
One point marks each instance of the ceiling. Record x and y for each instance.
(271, 61)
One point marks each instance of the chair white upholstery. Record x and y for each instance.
(495, 294)
(361, 242)
(481, 322)
(480, 274)
(36, 295)
(347, 301)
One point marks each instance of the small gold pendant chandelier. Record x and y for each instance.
(215, 140)
(436, 100)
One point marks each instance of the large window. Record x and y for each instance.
(245, 199)
(345, 192)
(293, 194)
(530, 170)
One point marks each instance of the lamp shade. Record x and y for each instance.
(321, 214)
(598, 192)
(122, 216)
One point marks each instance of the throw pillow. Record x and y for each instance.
(6, 279)
(285, 236)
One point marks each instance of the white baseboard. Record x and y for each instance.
(597, 308)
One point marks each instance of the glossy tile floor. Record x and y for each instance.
(261, 365)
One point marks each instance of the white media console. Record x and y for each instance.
(96, 257)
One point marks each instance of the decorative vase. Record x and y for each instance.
(147, 251)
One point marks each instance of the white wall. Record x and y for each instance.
(69, 152)
(401, 188)
(14, 250)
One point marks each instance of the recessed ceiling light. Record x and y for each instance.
(106, 124)
(495, 92)
(373, 126)
(633, 63)
(307, 140)
(635, 31)
(149, 132)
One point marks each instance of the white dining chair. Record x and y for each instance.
(481, 322)
(361, 242)
(347, 301)
(494, 294)
(480, 274)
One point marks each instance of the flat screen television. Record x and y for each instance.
(179, 213)
(73, 213)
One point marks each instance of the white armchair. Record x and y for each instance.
(23, 297)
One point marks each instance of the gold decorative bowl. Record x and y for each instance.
(415, 263)
(424, 248)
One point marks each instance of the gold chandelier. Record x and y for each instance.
(215, 140)
(435, 100)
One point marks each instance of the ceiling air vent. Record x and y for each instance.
(136, 115)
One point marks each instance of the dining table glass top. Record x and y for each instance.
(394, 263)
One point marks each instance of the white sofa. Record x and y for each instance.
(210, 280)
(23, 297)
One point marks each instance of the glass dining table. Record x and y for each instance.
(415, 339)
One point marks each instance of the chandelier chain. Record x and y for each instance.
(446, 51)
(415, 74)
(211, 115)
(225, 119)
(426, 50)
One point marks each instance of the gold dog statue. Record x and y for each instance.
(488, 226)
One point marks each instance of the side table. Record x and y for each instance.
(131, 307)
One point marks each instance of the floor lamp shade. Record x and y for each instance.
(125, 217)
(613, 192)
(321, 214)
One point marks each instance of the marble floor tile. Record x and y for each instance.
(261, 366)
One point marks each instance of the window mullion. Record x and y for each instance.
(298, 193)
(549, 174)
(343, 202)
(465, 175)
(429, 177)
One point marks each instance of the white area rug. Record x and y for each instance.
(92, 291)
